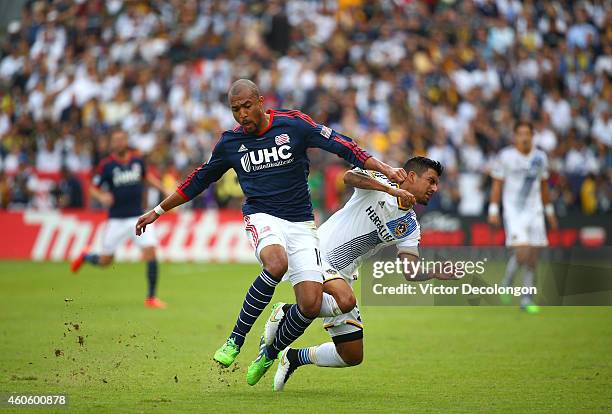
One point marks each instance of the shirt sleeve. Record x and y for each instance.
(206, 174)
(100, 175)
(372, 174)
(320, 136)
(143, 165)
(380, 177)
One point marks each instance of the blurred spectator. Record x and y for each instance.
(559, 111)
(544, 137)
(22, 186)
(69, 192)
(602, 128)
(448, 79)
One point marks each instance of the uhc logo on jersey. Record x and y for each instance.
(266, 158)
(127, 177)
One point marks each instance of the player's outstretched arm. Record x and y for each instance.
(170, 202)
(364, 181)
(198, 181)
(397, 175)
(549, 209)
(496, 190)
(320, 136)
(103, 197)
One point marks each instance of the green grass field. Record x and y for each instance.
(125, 358)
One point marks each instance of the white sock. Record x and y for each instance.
(511, 268)
(528, 281)
(329, 307)
(325, 355)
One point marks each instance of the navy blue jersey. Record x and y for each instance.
(125, 181)
(272, 167)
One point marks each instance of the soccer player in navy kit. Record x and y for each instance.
(123, 174)
(268, 152)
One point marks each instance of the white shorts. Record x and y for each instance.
(525, 230)
(299, 240)
(347, 323)
(118, 230)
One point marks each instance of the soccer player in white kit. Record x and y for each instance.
(378, 214)
(522, 172)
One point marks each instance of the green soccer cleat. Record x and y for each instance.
(531, 309)
(505, 299)
(227, 353)
(260, 366)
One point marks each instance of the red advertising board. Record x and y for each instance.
(208, 236)
(219, 236)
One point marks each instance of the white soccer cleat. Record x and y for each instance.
(273, 322)
(283, 372)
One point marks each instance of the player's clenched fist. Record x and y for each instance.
(406, 197)
(397, 175)
(145, 220)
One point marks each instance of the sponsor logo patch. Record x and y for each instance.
(401, 228)
(266, 158)
(281, 139)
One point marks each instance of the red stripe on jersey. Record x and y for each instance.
(188, 180)
(182, 194)
(100, 168)
(359, 153)
(297, 114)
(194, 172)
(103, 163)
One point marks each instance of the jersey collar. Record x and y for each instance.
(271, 112)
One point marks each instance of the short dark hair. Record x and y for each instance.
(523, 123)
(242, 84)
(421, 164)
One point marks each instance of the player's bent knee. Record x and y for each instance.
(354, 361)
(275, 261)
(350, 357)
(312, 307)
(277, 268)
(346, 302)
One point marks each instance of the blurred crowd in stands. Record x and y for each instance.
(446, 79)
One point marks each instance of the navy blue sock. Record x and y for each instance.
(152, 277)
(259, 295)
(291, 328)
(299, 357)
(94, 259)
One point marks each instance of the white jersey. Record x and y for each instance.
(369, 221)
(522, 176)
